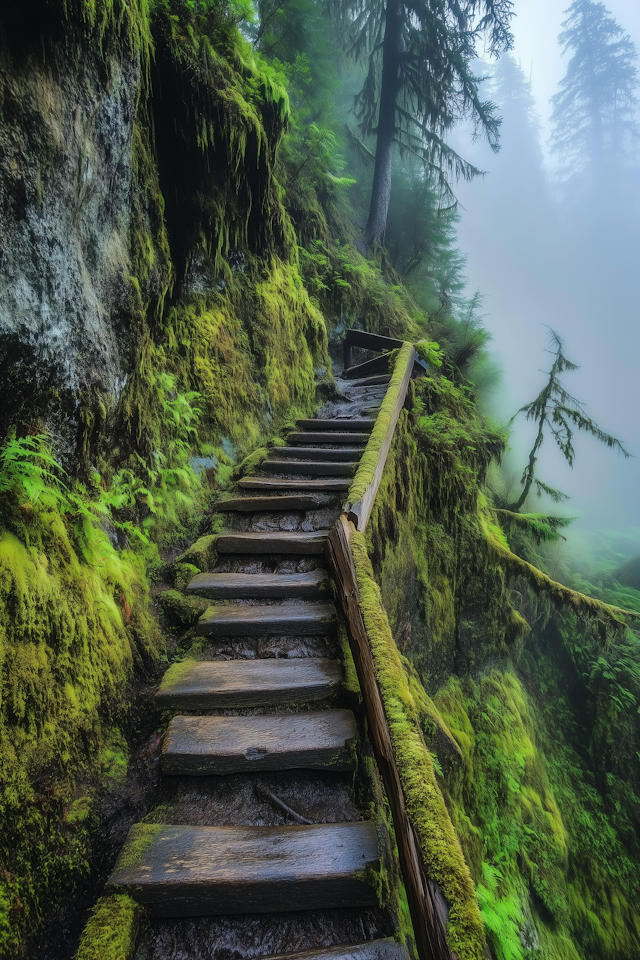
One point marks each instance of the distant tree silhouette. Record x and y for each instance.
(595, 133)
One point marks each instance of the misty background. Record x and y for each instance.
(539, 261)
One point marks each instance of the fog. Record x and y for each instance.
(541, 259)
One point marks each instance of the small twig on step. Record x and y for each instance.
(276, 801)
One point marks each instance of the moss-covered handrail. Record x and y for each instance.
(362, 492)
(430, 855)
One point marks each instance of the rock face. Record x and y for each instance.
(65, 213)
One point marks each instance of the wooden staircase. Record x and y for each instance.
(241, 715)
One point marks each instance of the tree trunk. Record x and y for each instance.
(381, 190)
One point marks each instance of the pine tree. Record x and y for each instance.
(420, 82)
(595, 133)
(554, 410)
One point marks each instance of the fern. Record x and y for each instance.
(29, 473)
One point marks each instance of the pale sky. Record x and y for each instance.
(589, 297)
(536, 27)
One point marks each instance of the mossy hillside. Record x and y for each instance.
(543, 798)
(71, 633)
(444, 590)
(557, 874)
(439, 846)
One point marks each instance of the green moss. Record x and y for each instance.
(439, 845)
(201, 554)
(183, 574)
(181, 609)
(141, 836)
(112, 930)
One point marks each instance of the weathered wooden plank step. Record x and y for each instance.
(370, 381)
(318, 468)
(202, 746)
(254, 620)
(352, 424)
(270, 483)
(376, 365)
(211, 684)
(327, 436)
(373, 950)
(178, 871)
(313, 585)
(299, 501)
(300, 542)
(319, 453)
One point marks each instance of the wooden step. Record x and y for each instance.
(319, 453)
(352, 424)
(317, 468)
(313, 585)
(370, 381)
(269, 483)
(373, 950)
(329, 436)
(211, 684)
(253, 620)
(178, 871)
(376, 365)
(317, 740)
(300, 542)
(300, 501)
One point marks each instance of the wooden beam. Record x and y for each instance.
(371, 341)
(359, 512)
(421, 895)
(376, 365)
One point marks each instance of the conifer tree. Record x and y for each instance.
(557, 412)
(419, 82)
(595, 133)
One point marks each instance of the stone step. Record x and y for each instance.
(352, 424)
(180, 871)
(300, 501)
(373, 950)
(268, 483)
(253, 620)
(313, 585)
(326, 436)
(317, 468)
(215, 684)
(317, 740)
(318, 453)
(299, 542)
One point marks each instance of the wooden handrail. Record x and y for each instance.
(364, 488)
(428, 929)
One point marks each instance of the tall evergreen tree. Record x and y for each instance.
(595, 131)
(419, 82)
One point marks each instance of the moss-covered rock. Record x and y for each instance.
(112, 930)
(180, 608)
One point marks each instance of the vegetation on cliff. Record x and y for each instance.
(515, 696)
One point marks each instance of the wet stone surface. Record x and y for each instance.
(239, 799)
(256, 935)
